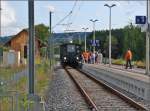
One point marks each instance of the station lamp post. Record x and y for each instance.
(94, 35)
(85, 38)
(50, 41)
(110, 6)
(147, 38)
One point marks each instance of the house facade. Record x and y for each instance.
(19, 43)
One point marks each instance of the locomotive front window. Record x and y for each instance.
(71, 48)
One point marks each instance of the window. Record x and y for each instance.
(70, 48)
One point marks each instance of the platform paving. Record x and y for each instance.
(132, 82)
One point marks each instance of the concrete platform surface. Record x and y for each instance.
(135, 83)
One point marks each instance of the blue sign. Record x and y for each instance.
(94, 43)
(140, 19)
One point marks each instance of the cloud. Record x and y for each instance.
(8, 20)
(8, 16)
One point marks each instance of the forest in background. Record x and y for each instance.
(128, 37)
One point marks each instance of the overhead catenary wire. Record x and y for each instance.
(69, 16)
(77, 12)
(70, 13)
(73, 8)
(62, 20)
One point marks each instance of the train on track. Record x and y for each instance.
(71, 54)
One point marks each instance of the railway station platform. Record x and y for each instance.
(131, 80)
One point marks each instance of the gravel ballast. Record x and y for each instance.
(63, 95)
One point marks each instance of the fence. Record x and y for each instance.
(6, 103)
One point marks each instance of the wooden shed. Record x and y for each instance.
(19, 42)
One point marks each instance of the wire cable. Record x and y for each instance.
(77, 12)
(73, 8)
(62, 20)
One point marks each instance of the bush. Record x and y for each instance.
(118, 61)
(140, 64)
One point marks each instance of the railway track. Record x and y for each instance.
(100, 96)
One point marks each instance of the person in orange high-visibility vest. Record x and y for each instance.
(85, 54)
(128, 58)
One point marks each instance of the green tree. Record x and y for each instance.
(134, 40)
(114, 46)
(42, 32)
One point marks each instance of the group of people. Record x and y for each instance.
(96, 57)
(91, 57)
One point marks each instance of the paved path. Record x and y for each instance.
(19, 75)
(120, 67)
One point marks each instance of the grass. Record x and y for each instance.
(6, 104)
(7, 72)
(42, 79)
(118, 61)
(140, 64)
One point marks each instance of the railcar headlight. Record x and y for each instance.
(77, 58)
(65, 58)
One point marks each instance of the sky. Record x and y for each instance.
(14, 14)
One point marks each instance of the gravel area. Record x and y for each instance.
(63, 94)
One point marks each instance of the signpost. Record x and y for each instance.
(94, 43)
(140, 19)
(143, 20)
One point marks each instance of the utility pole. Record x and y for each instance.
(52, 39)
(85, 38)
(110, 6)
(31, 46)
(147, 37)
(49, 41)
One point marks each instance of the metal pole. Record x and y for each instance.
(31, 46)
(12, 103)
(49, 45)
(85, 40)
(110, 38)
(110, 31)
(147, 38)
(94, 39)
(94, 36)
(52, 53)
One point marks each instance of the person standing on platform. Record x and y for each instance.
(104, 56)
(83, 59)
(89, 57)
(100, 57)
(128, 58)
(97, 58)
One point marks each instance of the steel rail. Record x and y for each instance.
(83, 92)
(115, 92)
